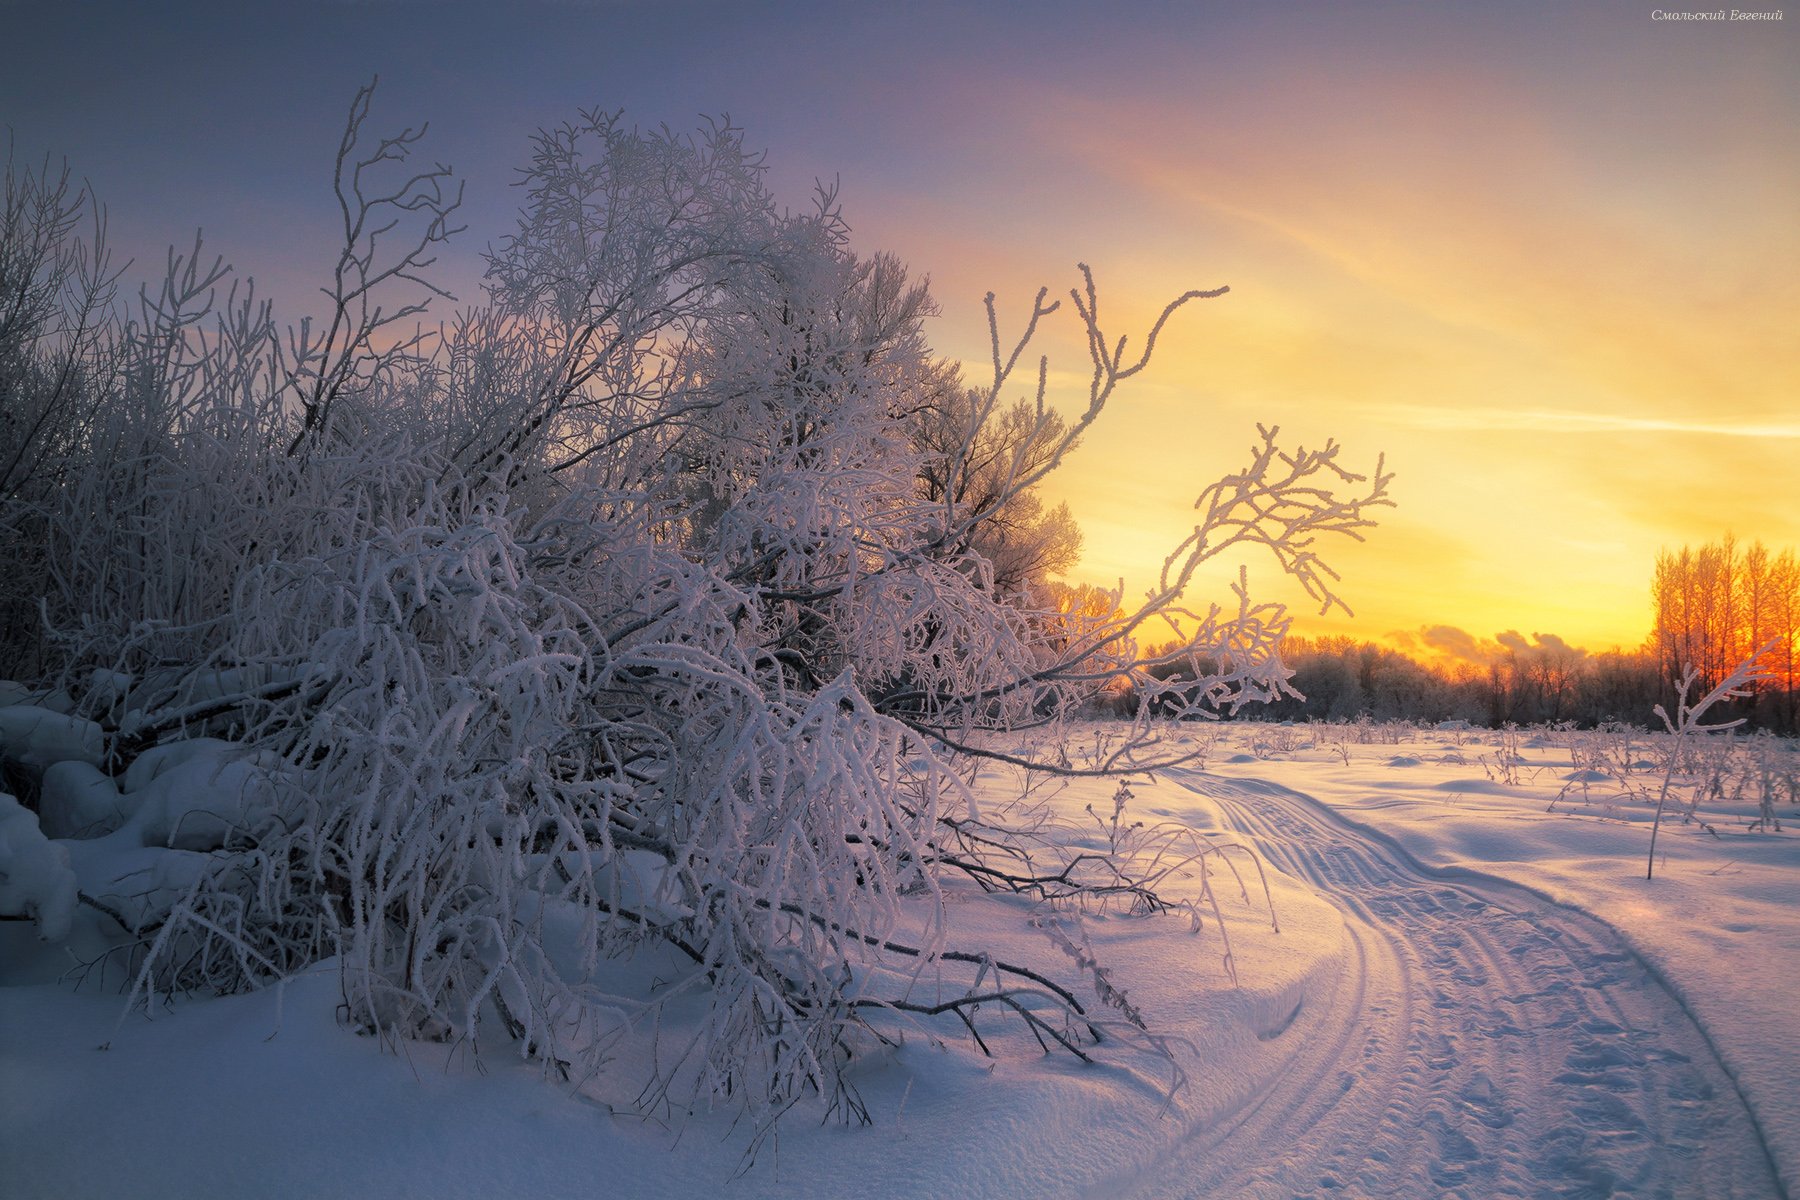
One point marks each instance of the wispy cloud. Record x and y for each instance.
(1419, 416)
(1452, 642)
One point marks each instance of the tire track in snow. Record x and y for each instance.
(1480, 1042)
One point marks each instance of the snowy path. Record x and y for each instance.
(1481, 1042)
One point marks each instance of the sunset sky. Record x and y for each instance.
(1545, 257)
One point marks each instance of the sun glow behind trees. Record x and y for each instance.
(1719, 605)
(1496, 269)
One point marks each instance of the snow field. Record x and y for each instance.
(1719, 925)
(294, 1105)
(1419, 1026)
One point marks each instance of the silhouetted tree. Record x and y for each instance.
(1715, 605)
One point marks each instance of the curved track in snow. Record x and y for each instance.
(1480, 1042)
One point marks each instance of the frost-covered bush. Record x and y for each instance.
(644, 613)
(1771, 776)
(1688, 722)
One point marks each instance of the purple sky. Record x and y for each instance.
(1544, 255)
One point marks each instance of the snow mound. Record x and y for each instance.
(205, 800)
(79, 800)
(38, 737)
(35, 879)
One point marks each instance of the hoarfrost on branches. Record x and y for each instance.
(649, 610)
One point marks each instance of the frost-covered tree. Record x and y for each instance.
(645, 614)
(970, 452)
(57, 335)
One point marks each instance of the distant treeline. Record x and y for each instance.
(1342, 679)
(1713, 607)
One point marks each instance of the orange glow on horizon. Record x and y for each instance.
(1567, 314)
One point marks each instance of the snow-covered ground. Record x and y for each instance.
(1440, 1013)
(1718, 926)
